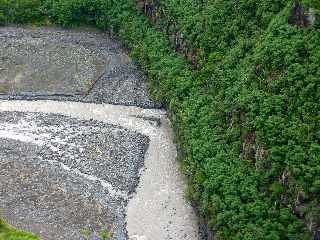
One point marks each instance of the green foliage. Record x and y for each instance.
(105, 235)
(2, 18)
(250, 122)
(9, 233)
(20, 11)
(86, 234)
(247, 122)
(72, 12)
(217, 26)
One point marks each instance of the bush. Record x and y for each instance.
(247, 121)
(21, 11)
(9, 233)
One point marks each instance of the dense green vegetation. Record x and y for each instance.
(9, 233)
(247, 121)
(250, 125)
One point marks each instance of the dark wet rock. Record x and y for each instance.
(300, 16)
(301, 198)
(317, 234)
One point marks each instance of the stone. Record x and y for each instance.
(30, 64)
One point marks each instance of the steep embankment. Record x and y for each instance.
(250, 125)
(247, 120)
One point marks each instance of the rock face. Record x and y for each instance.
(301, 16)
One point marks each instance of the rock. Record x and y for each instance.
(301, 198)
(51, 171)
(317, 235)
(302, 17)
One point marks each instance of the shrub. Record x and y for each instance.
(247, 121)
(9, 233)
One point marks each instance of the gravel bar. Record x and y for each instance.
(82, 65)
(67, 173)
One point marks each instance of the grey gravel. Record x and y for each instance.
(60, 170)
(68, 65)
(60, 174)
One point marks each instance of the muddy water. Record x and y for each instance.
(100, 157)
(158, 210)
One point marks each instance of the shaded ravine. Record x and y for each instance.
(158, 210)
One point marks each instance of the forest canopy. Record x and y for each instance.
(240, 80)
